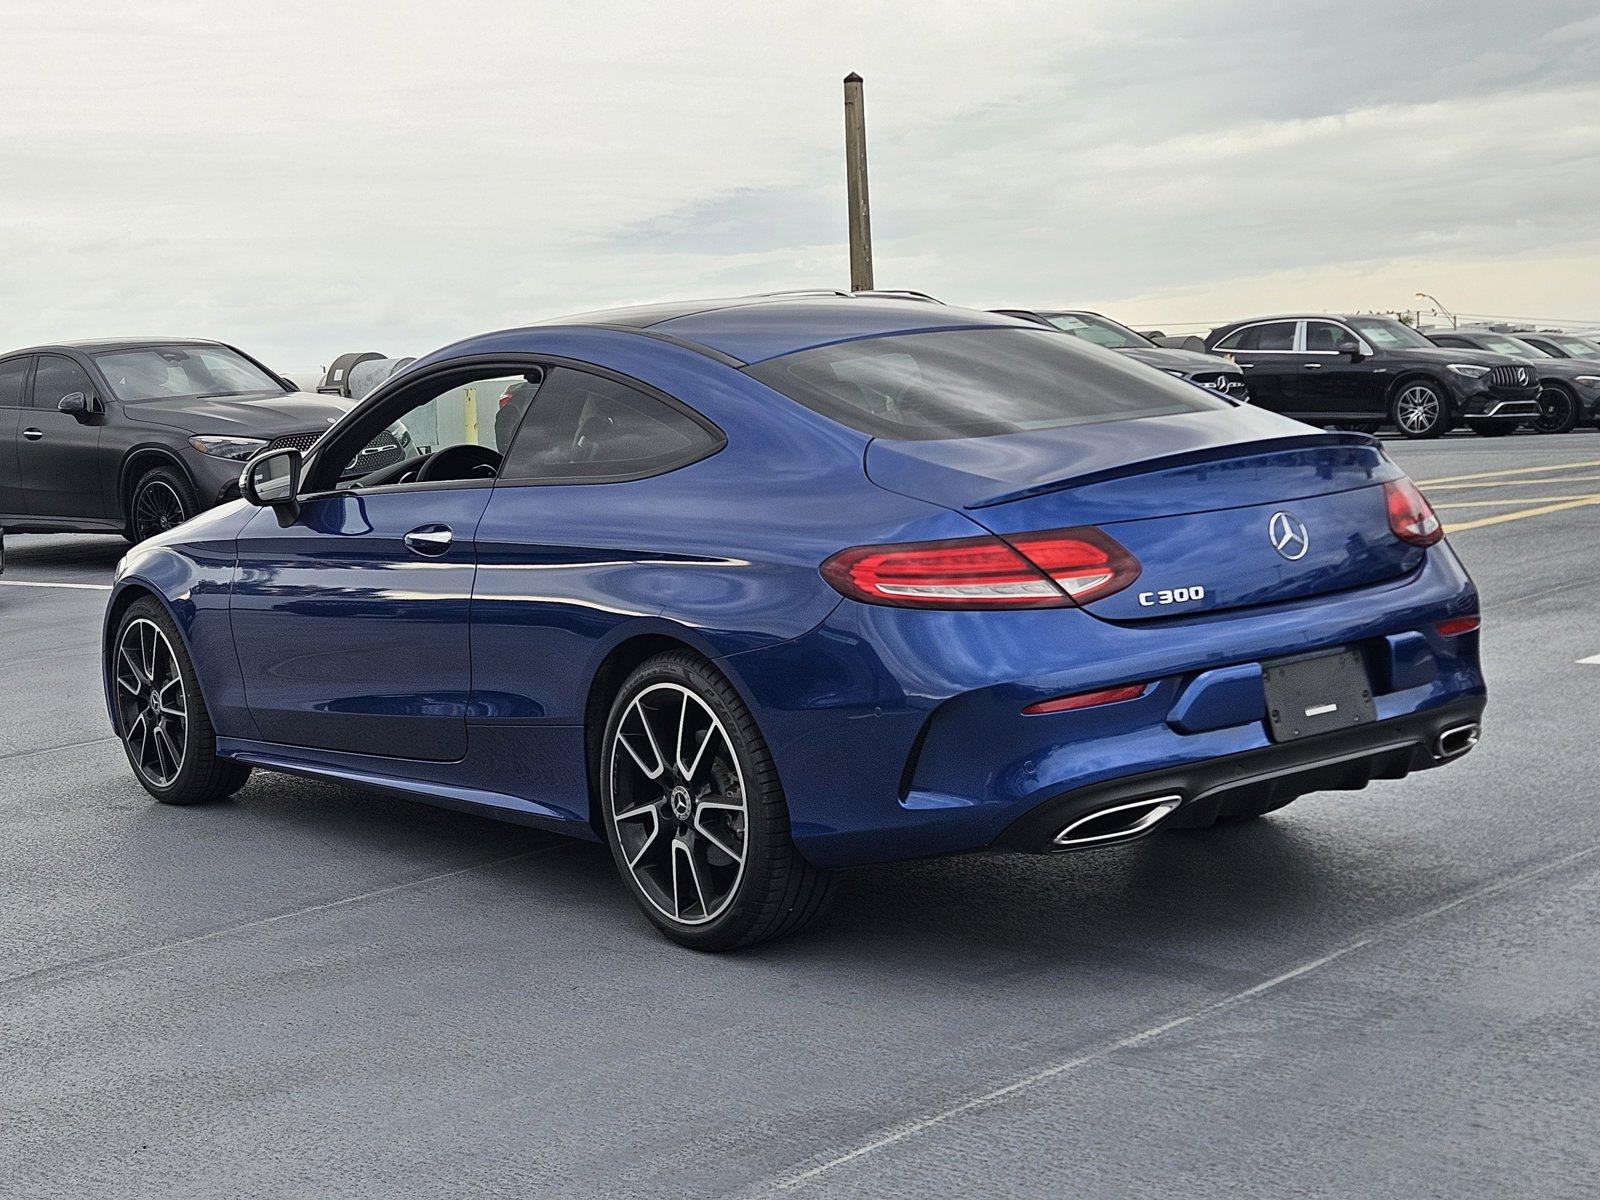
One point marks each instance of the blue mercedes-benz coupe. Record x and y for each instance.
(755, 589)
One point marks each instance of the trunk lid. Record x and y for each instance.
(1194, 497)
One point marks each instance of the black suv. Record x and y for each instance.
(1362, 372)
(134, 437)
(1207, 370)
(1571, 386)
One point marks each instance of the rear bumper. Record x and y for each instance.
(1344, 761)
(900, 734)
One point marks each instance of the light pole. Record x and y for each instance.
(855, 167)
(1441, 308)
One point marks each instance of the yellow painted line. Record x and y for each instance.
(1502, 518)
(1554, 481)
(1512, 471)
(1518, 500)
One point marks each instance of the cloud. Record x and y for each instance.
(305, 178)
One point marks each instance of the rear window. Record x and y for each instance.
(975, 383)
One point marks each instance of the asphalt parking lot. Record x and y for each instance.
(311, 991)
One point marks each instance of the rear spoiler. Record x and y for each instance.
(1189, 458)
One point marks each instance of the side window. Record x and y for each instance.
(1450, 341)
(1277, 336)
(57, 377)
(1236, 340)
(586, 427)
(13, 376)
(1323, 337)
(453, 429)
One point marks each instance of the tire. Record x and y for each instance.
(714, 794)
(1558, 411)
(1420, 409)
(162, 499)
(174, 760)
(1493, 428)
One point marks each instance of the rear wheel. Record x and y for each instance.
(161, 500)
(1420, 410)
(694, 813)
(161, 715)
(1558, 411)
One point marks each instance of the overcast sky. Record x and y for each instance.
(305, 178)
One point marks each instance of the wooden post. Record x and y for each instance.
(855, 167)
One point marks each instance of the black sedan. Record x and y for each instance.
(1207, 370)
(1571, 386)
(135, 437)
(1363, 371)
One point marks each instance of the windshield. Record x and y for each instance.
(160, 372)
(1102, 331)
(974, 383)
(1576, 347)
(1388, 333)
(1512, 346)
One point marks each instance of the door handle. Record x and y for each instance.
(1313, 366)
(429, 540)
(33, 435)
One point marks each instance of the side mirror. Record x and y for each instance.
(1350, 348)
(272, 480)
(80, 405)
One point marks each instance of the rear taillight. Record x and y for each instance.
(1032, 570)
(1411, 517)
(505, 399)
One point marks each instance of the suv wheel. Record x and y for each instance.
(1420, 410)
(1558, 411)
(694, 813)
(162, 500)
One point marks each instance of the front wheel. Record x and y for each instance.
(1558, 411)
(162, 500)
(1420, 410)
(694, 814)
(161, 715)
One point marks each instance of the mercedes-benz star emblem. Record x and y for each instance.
(1289, 536)
(1522, 375)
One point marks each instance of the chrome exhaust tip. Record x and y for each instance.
(1456, 741)
(1117, 822)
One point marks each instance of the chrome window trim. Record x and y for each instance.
(1299, 336)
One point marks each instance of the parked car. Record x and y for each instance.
(135, 437)
(1570, 387)
(1363, 371)
(764, 588)
(1207, 370)
(1563, 345)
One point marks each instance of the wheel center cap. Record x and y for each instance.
(681, 803)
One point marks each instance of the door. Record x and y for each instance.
(1266, 354)
(58, 453)
(1334, 385)
(351, 624)
(13, 395)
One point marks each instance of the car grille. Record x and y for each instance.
(1515, 378)
(382, 451)
(300, 441)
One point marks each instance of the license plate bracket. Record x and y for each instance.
(1317, 693)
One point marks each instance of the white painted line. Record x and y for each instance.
(85, 587)
(1000, 1095)
(1592, 661)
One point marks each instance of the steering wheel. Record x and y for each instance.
(460, 462)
